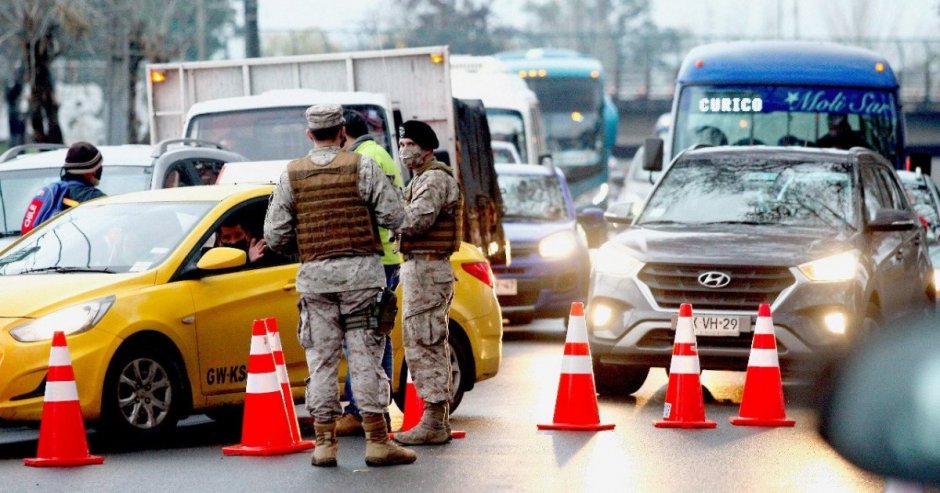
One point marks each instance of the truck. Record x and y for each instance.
(785, 93)
(255, 107)
(512, 109)
(579, 118)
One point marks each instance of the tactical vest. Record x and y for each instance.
(332, 219)
(445, 234)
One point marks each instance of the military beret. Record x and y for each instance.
(324, 116)
(82, 158)
(421, 133)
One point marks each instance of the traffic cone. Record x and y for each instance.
(762, 404)
(576, 403)
(265, 427)
(62, 440)
(685, 405)
(274, 339)
(414, 408)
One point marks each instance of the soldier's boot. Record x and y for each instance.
(349, 425)
(380, 451)
(324, 455)
(433, 429)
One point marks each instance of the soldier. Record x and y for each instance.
(327, 207)
(430, 234)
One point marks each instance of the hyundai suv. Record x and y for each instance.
(826, 237)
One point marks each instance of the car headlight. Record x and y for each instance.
(71, 320)
(839, 267)
(559, 245)
(615, 259)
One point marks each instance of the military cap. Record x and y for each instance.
(421, 133)
(324, 116)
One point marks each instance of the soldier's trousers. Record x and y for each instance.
(427, 291)
(321, 335)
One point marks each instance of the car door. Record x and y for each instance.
(227, 303)
(885, 247)
(913, 254)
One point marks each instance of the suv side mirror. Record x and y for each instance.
(893, 220)
(653, 154)
(592, 220)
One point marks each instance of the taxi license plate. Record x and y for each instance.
(718, 325)
(506, 287)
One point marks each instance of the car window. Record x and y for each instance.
(532, 198)
(242, 228)
(894, 191)
(876, 197)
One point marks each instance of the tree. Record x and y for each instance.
(466, 25)
(37, 26)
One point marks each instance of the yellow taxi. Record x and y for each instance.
(158, 317)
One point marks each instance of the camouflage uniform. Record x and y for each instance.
(335, 287)
(428, 286)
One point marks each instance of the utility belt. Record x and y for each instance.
(427, 256)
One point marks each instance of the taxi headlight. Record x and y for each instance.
(71, 320)
(839, 267)
(559, 245)
(614, 259)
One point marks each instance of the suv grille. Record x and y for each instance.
(674, 284)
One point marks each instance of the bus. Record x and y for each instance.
(579, 119)
(785, 93)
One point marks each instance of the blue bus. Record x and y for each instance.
(786, 93)
(580, 120)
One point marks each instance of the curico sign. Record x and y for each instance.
(796, 99)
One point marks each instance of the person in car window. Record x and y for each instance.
(234, 234)
(361, 142)
(328, 205)
(841, 135)
(430, 234)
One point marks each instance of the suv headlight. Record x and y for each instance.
(71, 320)
(614, 259)
(558, 245)
(839, 267)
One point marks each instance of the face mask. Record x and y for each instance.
(409, 157)
(241, 245)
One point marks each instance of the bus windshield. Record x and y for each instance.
(274, 133)
(787, 116)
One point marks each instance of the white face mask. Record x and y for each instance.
(410, 157)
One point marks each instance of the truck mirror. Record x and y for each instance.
(919, 159)
(653, 154)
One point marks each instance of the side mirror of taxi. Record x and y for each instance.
(591, 220)
(220, 258)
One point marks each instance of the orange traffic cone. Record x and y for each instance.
(62, 440)
(274, 339)
(685, 405)
(265, 427)
(762, 404)
(576, 403)
(414, 408)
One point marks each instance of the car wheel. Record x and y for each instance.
(460, 370)
(143, 396)
(619, 380)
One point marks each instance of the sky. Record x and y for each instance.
(720, 18)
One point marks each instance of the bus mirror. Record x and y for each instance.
(919, 159)
(653, 154)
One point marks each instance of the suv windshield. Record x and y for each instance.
(17, 188)
(532, 197)
(788, 116)
(274, 133)
(105, 238)
(754, 190)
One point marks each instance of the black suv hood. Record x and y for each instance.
(734, 244)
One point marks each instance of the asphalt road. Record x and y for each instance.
(503, 450)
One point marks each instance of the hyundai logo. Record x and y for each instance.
(714, 279)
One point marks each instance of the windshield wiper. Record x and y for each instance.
(66, 270)
(750, 223)
(663, 221)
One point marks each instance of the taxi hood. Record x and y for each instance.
(32, 295)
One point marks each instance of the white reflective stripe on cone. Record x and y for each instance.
(61, 391)
(765, 325)
(262, 383)
(282, 374)
(763, 358)
(578, 365)
(577, 330)
(684, 365)
(684, 332)
(259, 346)
(274, 341)
(59, 356)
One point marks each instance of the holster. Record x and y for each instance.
(386, 311)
